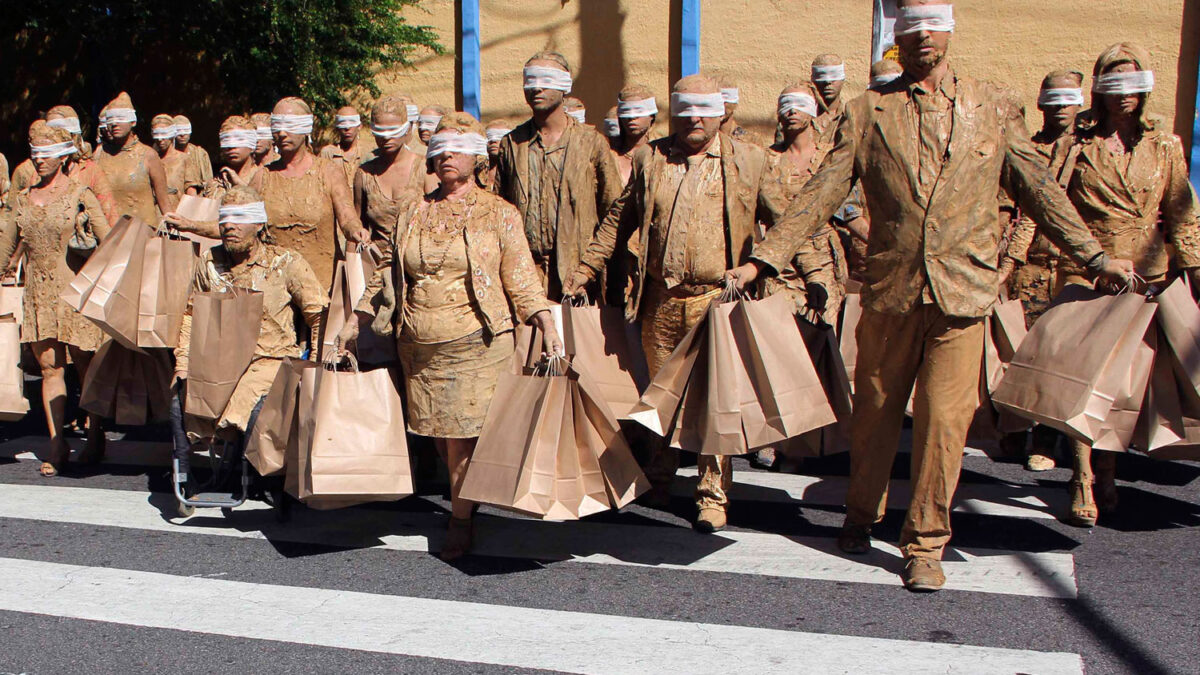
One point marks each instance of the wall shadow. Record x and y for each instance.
(601, 71)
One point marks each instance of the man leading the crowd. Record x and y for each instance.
(929, 150)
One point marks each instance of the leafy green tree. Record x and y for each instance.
(208, 58)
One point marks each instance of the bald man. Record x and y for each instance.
(931, 272)
(346, 153)
(686, 230)
(559, 173)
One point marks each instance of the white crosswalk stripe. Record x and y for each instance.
(510, 636)
(738, 552)
(573, 642)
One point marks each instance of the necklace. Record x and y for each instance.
(444, 241)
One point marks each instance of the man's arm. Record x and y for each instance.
(604, 241)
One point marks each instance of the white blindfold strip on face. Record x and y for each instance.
(183, 129)
(70, 124)
(1061, 96)
(428, 122)
(697, 105)
(53, 150)
(541, 77)
(238, 138)
(292, 124)
(122, 115)
(917, 18)
(1125, 84)
(612, 128)
(578, 115)
(163, 133)
(647, 107)
(463, 144)
(250, 214)
(880, 80)
(835, 73)
(391, 131)
(797, 101)
(347, 121)
(730, 95)
(412, 111)
(496, 134)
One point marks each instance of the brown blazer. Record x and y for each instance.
(591, 183)
(953, 239)
(749, 189)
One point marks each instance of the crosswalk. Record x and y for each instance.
(514, 635)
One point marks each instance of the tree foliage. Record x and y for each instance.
(230, 55)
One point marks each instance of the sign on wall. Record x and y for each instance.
(883, 39)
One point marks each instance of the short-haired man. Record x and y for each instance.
(557, 172)
(828, 79)
(930, 150)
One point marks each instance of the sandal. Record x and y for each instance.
(51, 468)
(458, 539)
(1083, 504)
(1039, 462)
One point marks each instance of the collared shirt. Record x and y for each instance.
(687, 231)
(932, 117)
(545, 187)
(287, 283)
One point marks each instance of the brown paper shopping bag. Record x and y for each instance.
(777, 360)
(1179, 320)
(202, 210)
(129, 387)
(13, 404)
(76, 292)
(510, 429)
(596, 340)
(267, 441)
(660, 403)
(847, 337)
(225, 329)
(98, 393)
(165, 284)
(598, 433)
(112, 303)
(1129, 384)
(355, 438)
(1056, 376)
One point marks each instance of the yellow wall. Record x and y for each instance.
(764, 44)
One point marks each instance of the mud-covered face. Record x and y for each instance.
(390, 146)
(240, 237)
(544, 100)
(1122, 105)
(46, 167)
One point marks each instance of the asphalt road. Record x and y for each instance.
(1128, 605)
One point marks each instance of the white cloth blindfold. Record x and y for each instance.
(238, 138)
(119, 115)
(347, 121)
(163, 133)
(463, 144)
(52, 150)
(1064, 96)
(395, 131)
(183, 129)
(1123, 84)
(829, 73)
(263, 133)
(880, 80)
(797, 101)
(697, 105)
(292, 124)
(730, 95)
(647, 107)
(428, 122)
(612, 128)
(496, 134)
(579, 115)
(70, 124)
(541, 77)
(412, 111)
(916, 18)
(252, 213)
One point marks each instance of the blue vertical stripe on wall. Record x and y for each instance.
(472, 98)
(1195, 172)
(689, 43)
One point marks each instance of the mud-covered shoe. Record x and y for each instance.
(924, 575)
(854, 539)
(710, 520)
(1039, 462)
